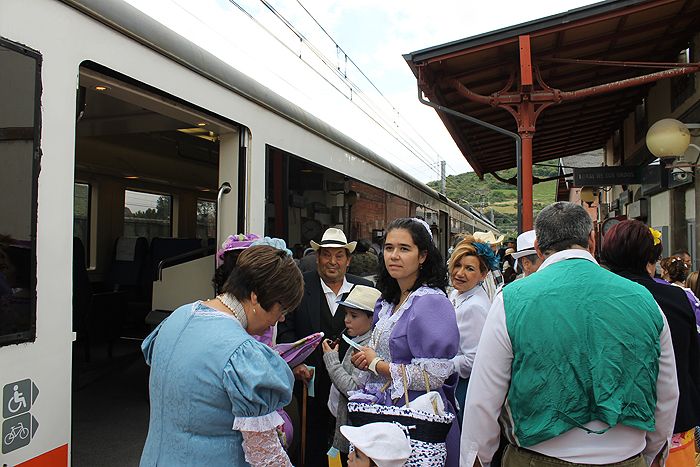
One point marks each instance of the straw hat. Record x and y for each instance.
(385, 443)
(488, 237)
(361, 297)
(334, 238)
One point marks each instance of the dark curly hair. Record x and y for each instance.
(433, 273)
(225, 269)
(676, 268)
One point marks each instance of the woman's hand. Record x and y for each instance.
(303, 373)
(326, 345)
(362, 358)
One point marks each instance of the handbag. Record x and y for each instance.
(427, 431)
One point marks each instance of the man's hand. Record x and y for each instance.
(303, 373)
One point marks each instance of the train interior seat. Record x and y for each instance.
(182, 271)
(97, 316)
(128, 274)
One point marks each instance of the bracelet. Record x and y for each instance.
(373, 365)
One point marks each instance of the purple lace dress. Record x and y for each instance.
(422, 335)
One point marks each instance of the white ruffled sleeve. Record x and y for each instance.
(263, 423)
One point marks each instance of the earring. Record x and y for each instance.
(254, 310)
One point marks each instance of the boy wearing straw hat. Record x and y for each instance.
(358, 305)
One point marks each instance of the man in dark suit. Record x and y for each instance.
(317, 312)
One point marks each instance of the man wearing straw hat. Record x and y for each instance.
(317, 312)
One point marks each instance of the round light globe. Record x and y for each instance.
(588, 194)
(668, 138)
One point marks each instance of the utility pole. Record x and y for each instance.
(443, 178)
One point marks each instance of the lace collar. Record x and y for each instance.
(235, 307)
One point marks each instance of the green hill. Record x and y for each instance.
(490, 194)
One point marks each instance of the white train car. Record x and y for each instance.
(126, 154)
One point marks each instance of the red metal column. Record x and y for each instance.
(526, 171)
(526, 129)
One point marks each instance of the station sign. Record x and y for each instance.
(605, 176)
(19, 425)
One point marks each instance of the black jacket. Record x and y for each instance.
(686, 347)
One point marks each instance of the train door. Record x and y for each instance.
(147, 212)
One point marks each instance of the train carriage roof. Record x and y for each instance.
(142, 28)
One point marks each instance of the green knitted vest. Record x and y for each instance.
(585, 347)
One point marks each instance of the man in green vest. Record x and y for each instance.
(576, 361)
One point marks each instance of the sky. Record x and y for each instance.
(374, 35)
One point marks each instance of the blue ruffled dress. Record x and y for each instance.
(207, 372)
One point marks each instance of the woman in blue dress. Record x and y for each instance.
(214, 389)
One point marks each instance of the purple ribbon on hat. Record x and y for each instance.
(236, 242)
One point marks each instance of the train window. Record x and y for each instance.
(20, 88)
(206, 219)
(147, 214)
(81, 217)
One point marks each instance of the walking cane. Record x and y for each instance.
(303, 425)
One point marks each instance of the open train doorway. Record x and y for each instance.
(147, 174)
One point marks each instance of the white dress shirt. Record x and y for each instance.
(490, 381)
(471, 308)
(331, 297)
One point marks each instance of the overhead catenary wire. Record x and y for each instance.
(357, 96)
(347, 57)
(355, 91)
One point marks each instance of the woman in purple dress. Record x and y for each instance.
(415, 325)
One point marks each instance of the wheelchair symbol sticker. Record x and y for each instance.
(18, 397)
(19, 425)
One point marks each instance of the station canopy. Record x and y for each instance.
(569, 52)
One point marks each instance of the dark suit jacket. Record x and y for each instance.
(306, 319)
(681, 322)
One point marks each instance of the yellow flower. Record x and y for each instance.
(656, 234)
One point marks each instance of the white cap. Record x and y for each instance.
(526, 244)
(385, 443)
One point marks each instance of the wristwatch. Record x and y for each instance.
(373, 365)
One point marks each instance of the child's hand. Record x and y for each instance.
(362, 358)
(326, 345)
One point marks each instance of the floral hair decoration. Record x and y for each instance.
(273, 242)
(236, 242)
(484, 250)
(656, 234)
